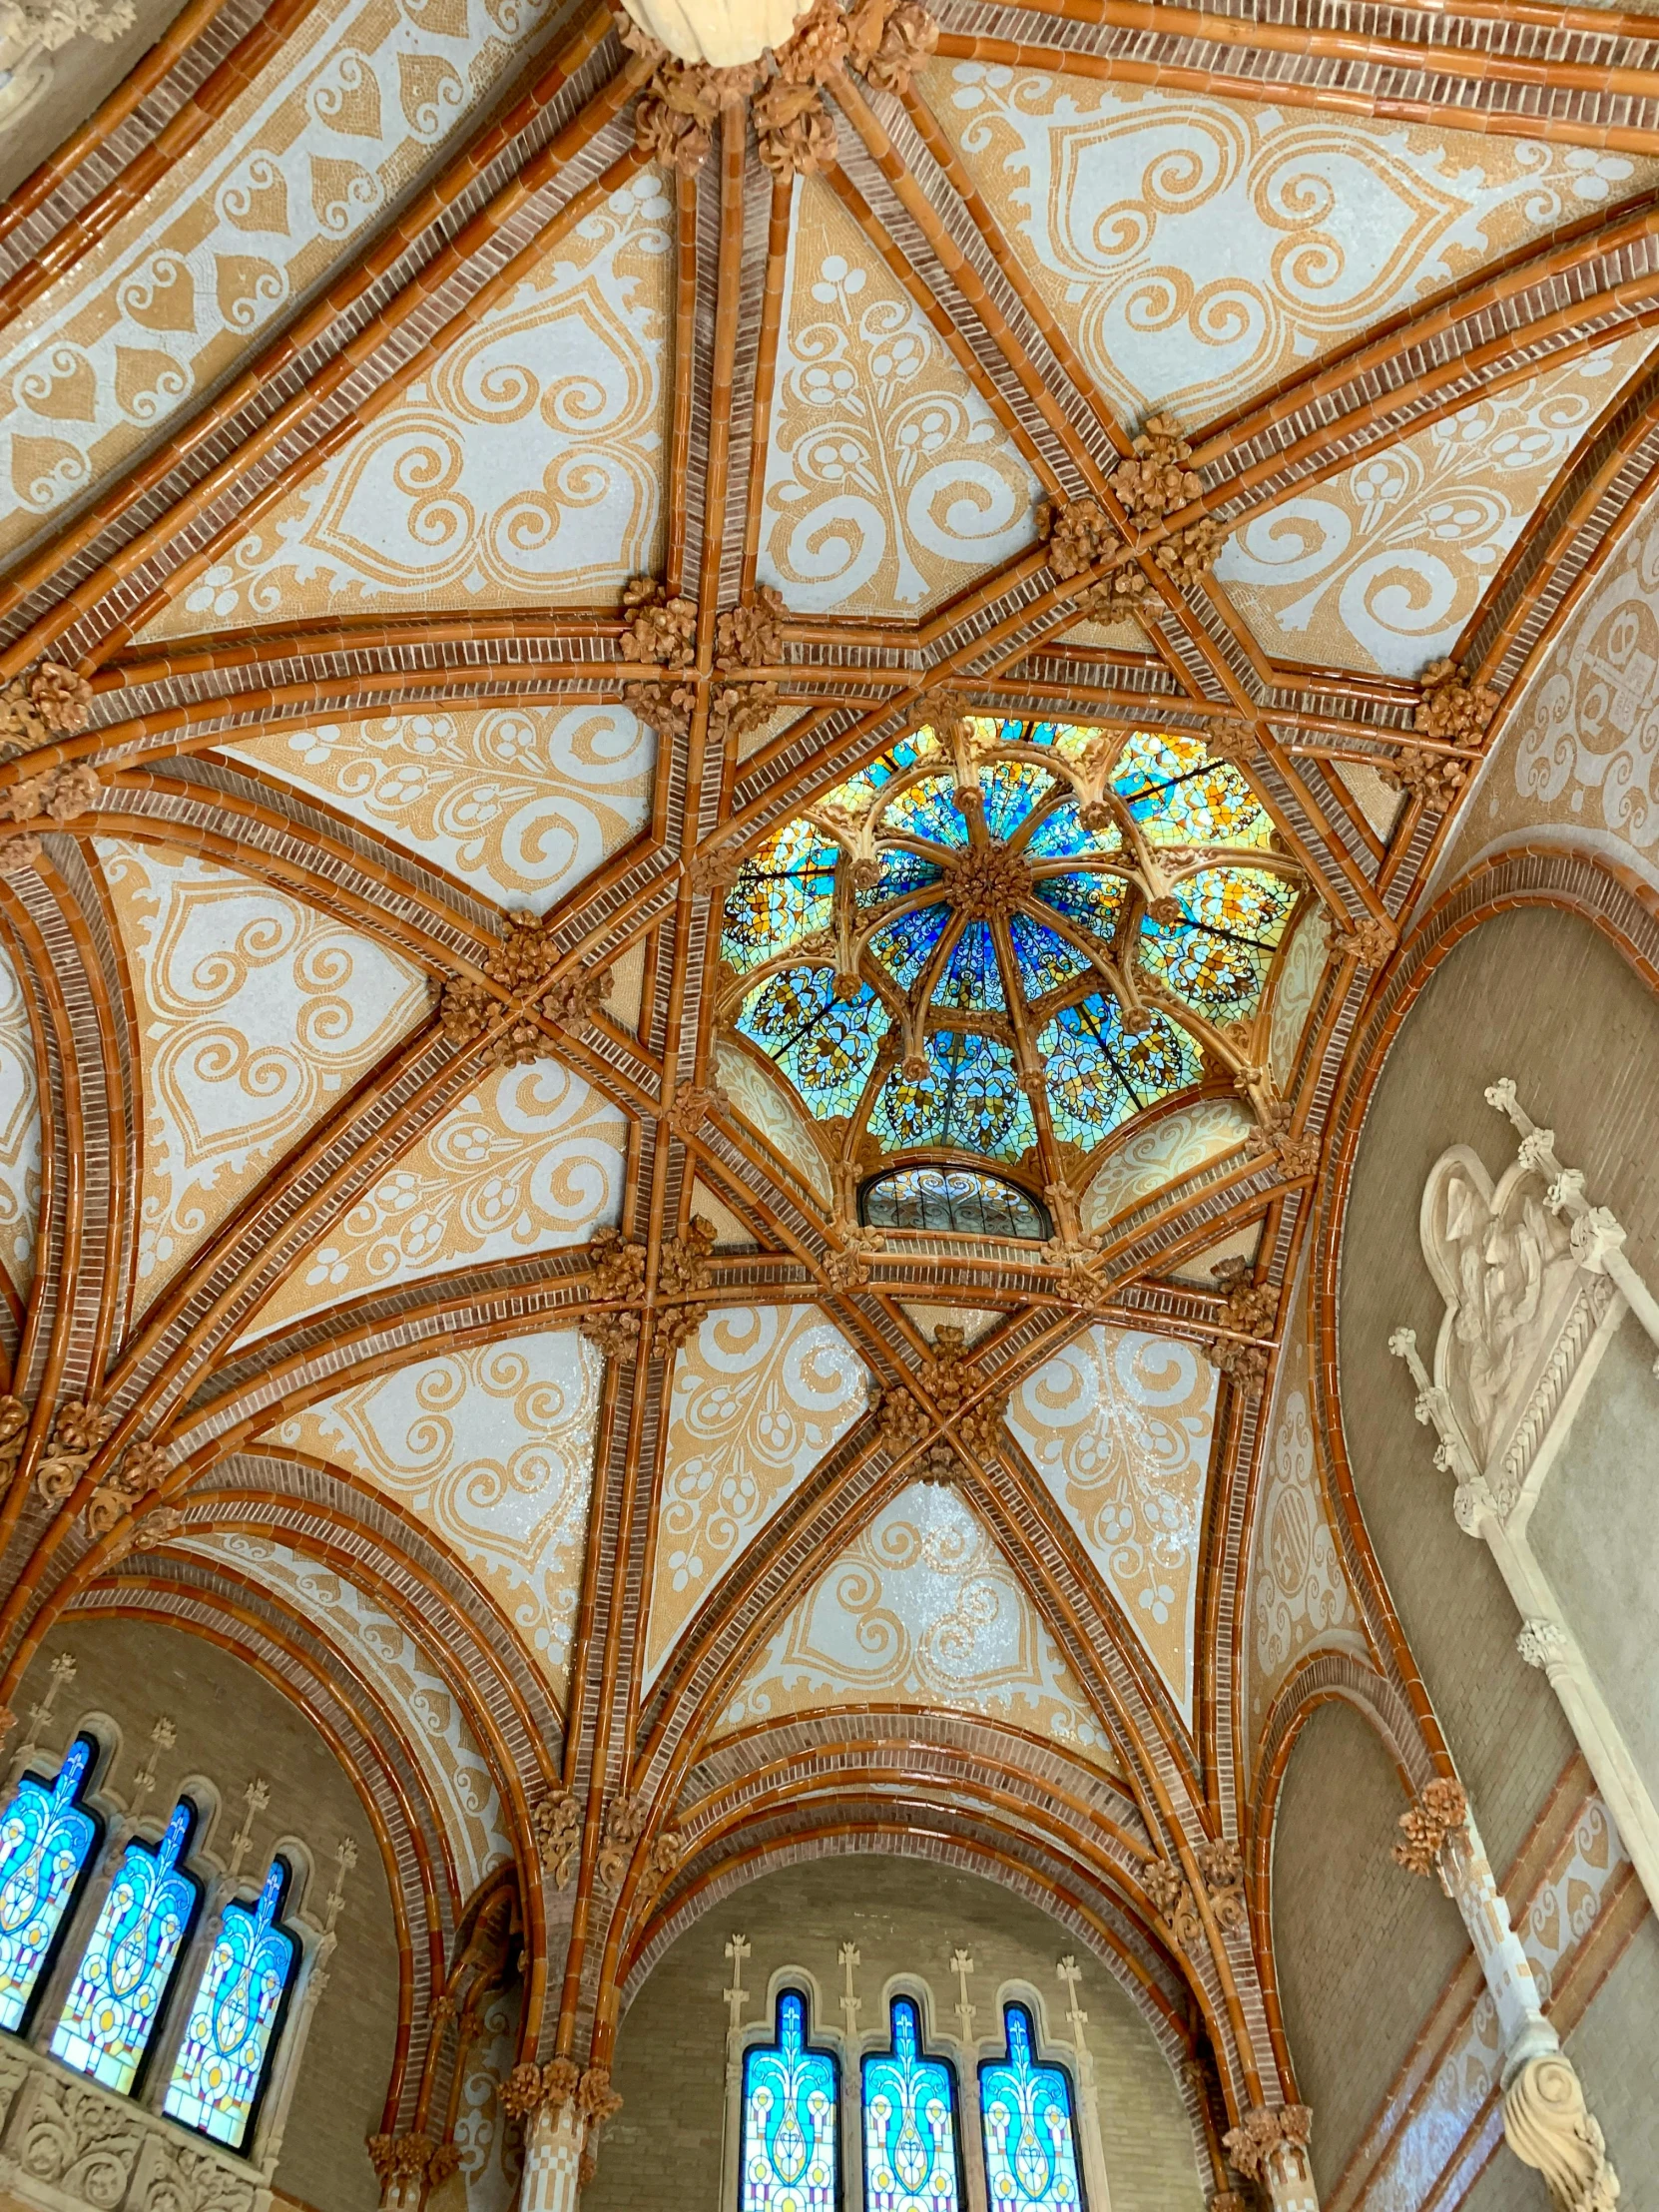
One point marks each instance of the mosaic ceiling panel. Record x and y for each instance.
(230, 237)
(255, 1015)
(890, 481)
(1381, 568)
(518, 803)
(1198, 250)
(760, 1394)
(1162, 1152)
(19, 1133)
(527, 467)
(394, 1663)
(528, 1161)
(491, 1450)
(921, 1609)
(1119, 1427)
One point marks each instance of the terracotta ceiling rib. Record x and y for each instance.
(59, 1211)
(766, 376)
(260, 46)
(1391, 86)
(749, 426)
(1531, 282)
(687, 286)
(382, 1808)
(597, 630)
(924, 211)
(166, 76)
(482, 263)
(303, 351)
(1571, 528)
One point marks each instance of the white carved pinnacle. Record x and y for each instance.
(1595, 1234)
(1451, 1454)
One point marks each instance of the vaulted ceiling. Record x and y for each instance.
(492, 481)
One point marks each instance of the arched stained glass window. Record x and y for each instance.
(952, 1201)
(122, 1984)
(47, 1838)
(235, 2019)
(910, 2124)
(1030, 2143)
(789, 2120)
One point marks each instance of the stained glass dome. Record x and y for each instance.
(1003, 944)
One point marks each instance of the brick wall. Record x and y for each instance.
(662, 2152)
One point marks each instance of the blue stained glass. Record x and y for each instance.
(789, 2120)
(1061, 837)
(910, 2124)
(1217, 958)
(1179, 796)
(969, 1099)
(1011, 790)
(121, 1982)
(857, 792)
(905, 946)
(899, 873)
(786, 891)
(825, 1046)
(1046, 960)
(1092, 901)
(928, 810)
(1030, 2147)
(46, 1843)
(1097, 1076)
(971, 979)
(222, 2062)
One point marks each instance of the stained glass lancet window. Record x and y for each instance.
(1030, 2143)
(910, 2124)
(1003, 940)
(121, 1982)
(46, 1844)
(231, 2031)
(789, 2120)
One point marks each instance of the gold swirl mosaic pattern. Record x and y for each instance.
(519, 803)
(760, 1394)
(530, 1160)
(19, 1133)
(255, 1015)
(1163, 1153)
(525, 469)
(922, 1609)
(1379, 568)
(232, 236)
(1118, 1425)
(491, 1450)
(1195, 250)
(392, 1661)
(889, 482)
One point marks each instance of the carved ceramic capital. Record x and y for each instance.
(1549, 2127)
(1543, 1643)
(1442, 1808)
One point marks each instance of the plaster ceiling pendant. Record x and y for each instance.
(723, 33)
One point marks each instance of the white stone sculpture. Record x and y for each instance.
(1536, 1285)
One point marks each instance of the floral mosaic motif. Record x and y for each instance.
(1299, 983)
(921, 1609)
(1198, 250)
(890, 481)
(1172, 1148)
(391, 1659)
(256, 1016)
(519, 803)
(229, 237)
(19, 1133)
(492, 1450)
(1582, 750)
(1119, 1427)
(528, 1162)
(760, 1394)
(941, 950)
(769, 1107)
(526, 468)
(1381, 568)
